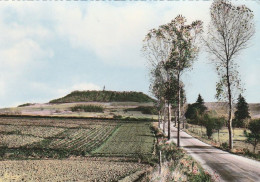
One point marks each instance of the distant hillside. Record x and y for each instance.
(103, 96)
(221, 108)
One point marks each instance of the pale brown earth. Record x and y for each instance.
(67, 170)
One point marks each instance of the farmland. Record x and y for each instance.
(67, 170)
(131, 139)
(73, 149)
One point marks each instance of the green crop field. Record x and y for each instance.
(131, 139)
(58, 138)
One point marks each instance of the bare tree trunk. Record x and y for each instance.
(175, 118)
(159, 113)
(160, 162)
(218, 135)
(169, 120)
(179, 110)
(229, 112)
(255, 145)
(164, 112)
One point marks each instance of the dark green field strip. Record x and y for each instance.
(129, 139)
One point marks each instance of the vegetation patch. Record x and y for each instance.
(103, 96)
(144, 110)
(26, 104)
(130, 139)
(175, 164)
(87, 108)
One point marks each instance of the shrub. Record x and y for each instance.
(225, 145)
(144, 110)
(87, 108)
(254, 136)
(209, 124)
(26, 104)
(117, 117)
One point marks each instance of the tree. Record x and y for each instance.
(209, 124)
(196, 110)
(200, 104)
(219, 124)
(183, 51)
(162, 82)
(230, 29)
(157, 88)
(242, 112)
(254, 136)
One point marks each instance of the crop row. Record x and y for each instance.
(129, 139)
(83, 139)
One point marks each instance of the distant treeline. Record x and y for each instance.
(103, 96)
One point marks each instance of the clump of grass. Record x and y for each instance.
(87, 108)
(144, 110)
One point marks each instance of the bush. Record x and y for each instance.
(170, 151)
(225, 145)
(144, 110)
(117, 117)
(87, 108)
(26, 104)
(209, 124)
(254, 136)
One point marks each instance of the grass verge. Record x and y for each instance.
(176, 165)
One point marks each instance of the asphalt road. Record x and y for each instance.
(228, 167)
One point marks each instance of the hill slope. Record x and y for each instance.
(103, 96)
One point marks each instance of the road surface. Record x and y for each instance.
(228, 167)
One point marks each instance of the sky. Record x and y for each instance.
(48, 49)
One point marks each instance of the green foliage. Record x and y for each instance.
(209, 125)
(195, 111)
(242, 112)
(87, 108)
(26, 104)
(219, 123)
(225, 145)
(202, 176)
(144, 109)
(170, 151)
(254, 136)
(103, 96)
(117, 117)
(212, 123)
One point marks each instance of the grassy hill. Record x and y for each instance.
(221, 108)
(103, 96)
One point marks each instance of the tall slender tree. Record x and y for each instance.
(157, 52)
(183, 51)
(177, 49)
(230, 29)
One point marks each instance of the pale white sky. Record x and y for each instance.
(48, 49)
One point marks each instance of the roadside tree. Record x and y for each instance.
(230, 29)
(183, 51)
